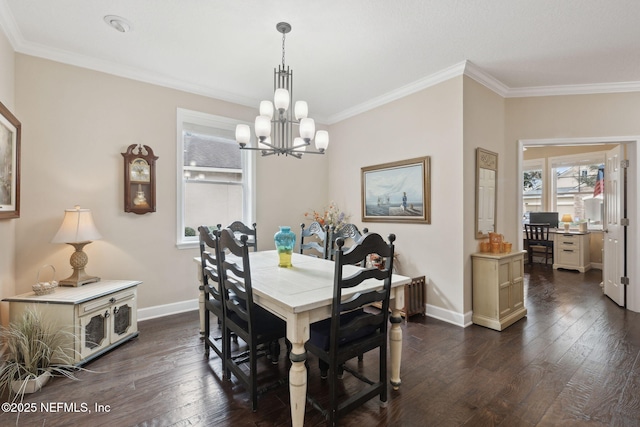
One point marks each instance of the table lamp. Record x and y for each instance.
(77, 230)
(567, 220)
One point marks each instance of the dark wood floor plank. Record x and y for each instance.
(574, 361)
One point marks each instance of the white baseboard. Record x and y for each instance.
(449, 316)
(149, 313)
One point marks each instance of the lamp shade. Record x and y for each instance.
(243, 134)
(307, 128)
(281, 99)
(322, 140)
(266, 109)
(567, 218)
(301, 110)
(77, 226)
(263, 126)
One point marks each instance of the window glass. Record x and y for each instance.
(214, 176)
(532, 188)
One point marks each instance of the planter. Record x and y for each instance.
(30, 385)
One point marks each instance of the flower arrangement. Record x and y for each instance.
(331, 216)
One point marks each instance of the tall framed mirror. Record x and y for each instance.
(486, 190)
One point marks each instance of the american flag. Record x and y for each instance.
(599, 187)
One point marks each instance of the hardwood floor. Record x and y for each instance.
(574, 360)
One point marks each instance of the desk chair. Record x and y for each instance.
(320, 244)
(251, 323)
(537, 242)
(353, 330)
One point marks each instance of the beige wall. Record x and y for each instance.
(428, 123)
(76, 122)
(7, 226)
(483, 127)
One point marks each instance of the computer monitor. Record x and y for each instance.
(550, 218)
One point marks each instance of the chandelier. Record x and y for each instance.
(276, 132)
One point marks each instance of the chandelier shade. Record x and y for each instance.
(275, 125)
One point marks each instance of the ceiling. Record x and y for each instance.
(347, 56)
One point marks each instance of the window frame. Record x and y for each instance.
(248, 171)
(572, 160)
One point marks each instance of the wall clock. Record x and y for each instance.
(139, 179)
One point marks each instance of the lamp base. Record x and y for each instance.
(78, 278)
(567, 226)
(78, 261)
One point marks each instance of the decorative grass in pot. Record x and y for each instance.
(34, 351)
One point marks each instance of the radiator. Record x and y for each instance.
(415, 297)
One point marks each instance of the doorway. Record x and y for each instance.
(630, 144)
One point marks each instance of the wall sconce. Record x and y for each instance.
(77, 230)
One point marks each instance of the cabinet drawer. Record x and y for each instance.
(570, 256)
(104, 302)
(568, 240)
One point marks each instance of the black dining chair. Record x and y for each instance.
(239, 228)
(212, 293)
(346, 232)
(354, 327)
(319, 246)
(254, 325)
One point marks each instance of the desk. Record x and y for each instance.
(302, 295)
(571, 249)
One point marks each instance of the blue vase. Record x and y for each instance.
(285, 240)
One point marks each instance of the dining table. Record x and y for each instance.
(303, 294)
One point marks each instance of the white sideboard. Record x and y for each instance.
(101, 315)
(498, 289)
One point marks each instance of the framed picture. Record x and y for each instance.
(397, 192)
(10, 129)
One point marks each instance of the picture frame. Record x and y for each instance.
(397, 191)
(10, 133)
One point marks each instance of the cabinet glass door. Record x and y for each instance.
(94, 332)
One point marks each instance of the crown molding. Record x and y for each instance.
(9, 26)
(476, 73)
(417, 86)
(586, 89)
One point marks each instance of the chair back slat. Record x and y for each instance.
(359, 300)
(239, 228)
(346, 231)
(236, 279)
(537, 232)
(320, 245)
(209, 262)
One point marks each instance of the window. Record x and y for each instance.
(569, 188)
(215, 177)
(573, 187)
(532, 187)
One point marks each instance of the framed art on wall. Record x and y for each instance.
(10, 130)
(397, 191)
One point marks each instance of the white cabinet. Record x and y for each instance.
(101, 315)
(571, 251)
(498, 289)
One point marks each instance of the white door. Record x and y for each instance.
(613, 230)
